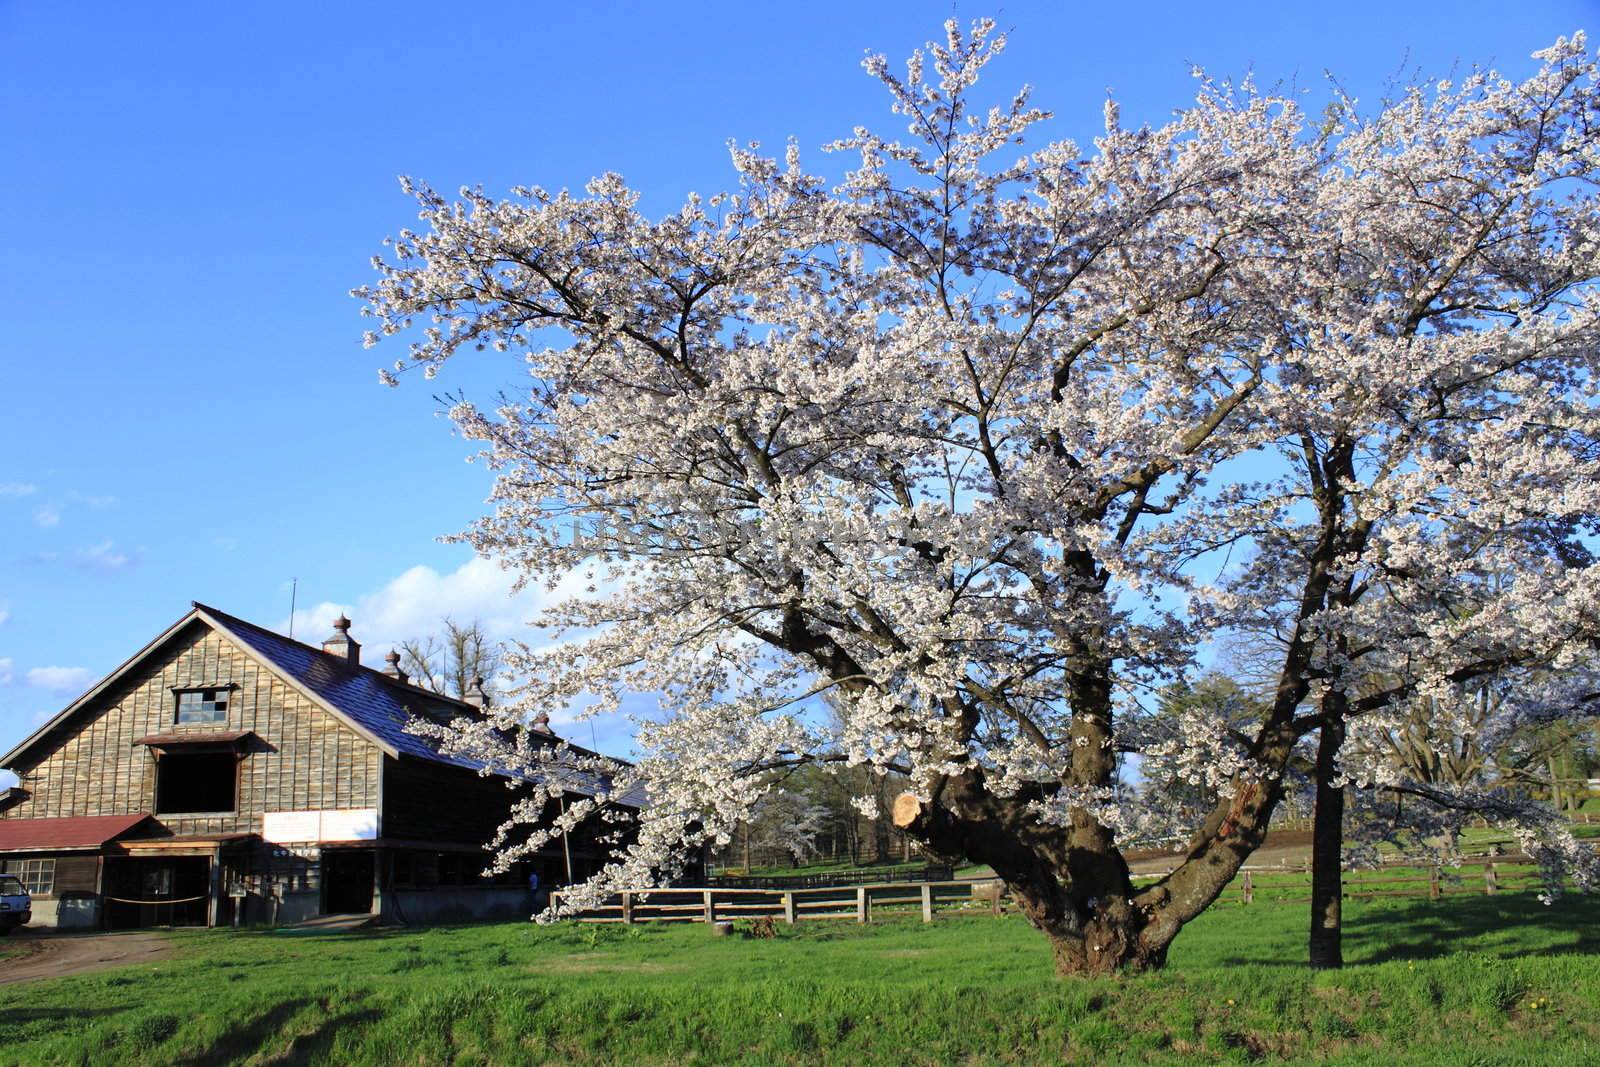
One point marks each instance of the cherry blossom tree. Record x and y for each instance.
(965, 439)
(786, 823)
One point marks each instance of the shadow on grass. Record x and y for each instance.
(246, 1040)
(13, 1016)
(1500, 926)
(316, 1045)
(241, 1041)
(1431, 929)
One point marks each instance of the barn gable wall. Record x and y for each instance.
(302, 759)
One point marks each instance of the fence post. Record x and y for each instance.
(999, 892)
(627, 908)
(788, 908)
(927, 902)
(1491, 881)
(1248, 889)
(1433, 883)
(863, 905)
(711, 907)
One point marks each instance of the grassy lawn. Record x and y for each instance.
(1474, 980)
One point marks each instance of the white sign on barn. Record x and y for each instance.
(296, 827)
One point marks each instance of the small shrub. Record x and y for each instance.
(146, 1033)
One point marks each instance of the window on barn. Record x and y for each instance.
(38, 877)
(202, 705)
(196, 782)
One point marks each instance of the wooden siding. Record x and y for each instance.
(302, 759)
(77, 874)
(434, 802)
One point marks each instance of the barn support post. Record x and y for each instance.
(214, 892)
(379, 857)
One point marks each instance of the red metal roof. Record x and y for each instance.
(84, 831)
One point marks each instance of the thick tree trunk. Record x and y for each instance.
(1327, 851)
(1105, 949)
(1082, 899)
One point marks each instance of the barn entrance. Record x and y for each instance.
(156, 891)
(347, 881)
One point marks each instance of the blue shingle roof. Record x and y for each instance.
(376, 703)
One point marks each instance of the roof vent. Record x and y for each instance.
(476, 694)
(392, 667)
(341, 644)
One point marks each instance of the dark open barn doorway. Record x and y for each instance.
(164, 891)
(347, 881)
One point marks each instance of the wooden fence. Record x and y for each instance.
(858, 902)
(1284, 885)
(1476, 875)
(833, 879)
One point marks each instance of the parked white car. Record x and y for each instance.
(16, 906)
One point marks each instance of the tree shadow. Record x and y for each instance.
(1498, 925)
(241, 1041)
(245, 1042)
(1492, 925)
(12, 1016)
(315, 1046)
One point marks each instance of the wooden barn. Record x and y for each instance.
(227, 774)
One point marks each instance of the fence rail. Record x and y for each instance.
(1283, 884)
(859, 902)
(930, 873)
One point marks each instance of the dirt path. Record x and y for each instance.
(1282, 847)
(56, 955)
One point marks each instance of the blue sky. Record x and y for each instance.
(193, 189)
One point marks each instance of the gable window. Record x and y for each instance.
(38, 877)
(203, 705)
(194, 782)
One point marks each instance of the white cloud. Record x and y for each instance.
(5, 670)
(17, 489)
(416, 602)
(5, 614)
(47, 517)
(89, 500)
(106, 557)
(60, 679)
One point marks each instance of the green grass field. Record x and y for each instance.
(1468, 980)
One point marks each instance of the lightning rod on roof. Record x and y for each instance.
(294, 589)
